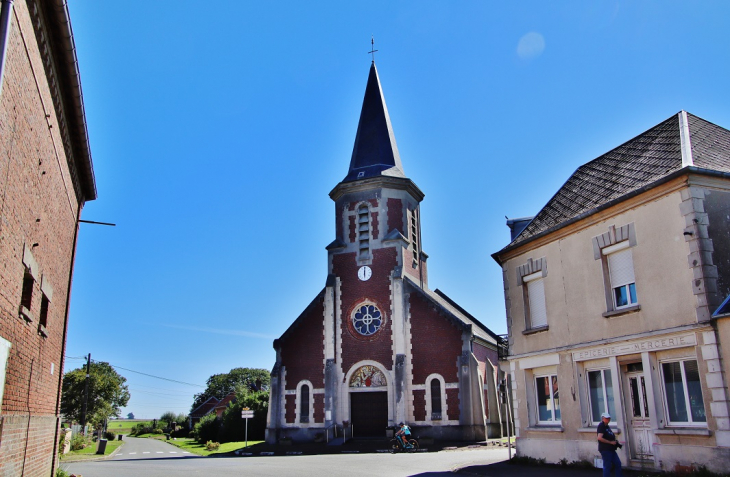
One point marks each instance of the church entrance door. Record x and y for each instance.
(369, 413)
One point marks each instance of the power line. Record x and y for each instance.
(156, 377)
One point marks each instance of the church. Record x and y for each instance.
(376, 346)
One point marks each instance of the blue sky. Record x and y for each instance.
(218, 129)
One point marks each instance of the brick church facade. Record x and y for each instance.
(376, 346)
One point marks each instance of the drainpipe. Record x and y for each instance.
(5, 14)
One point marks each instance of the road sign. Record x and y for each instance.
(247, 414)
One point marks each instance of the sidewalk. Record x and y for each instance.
(505, 468)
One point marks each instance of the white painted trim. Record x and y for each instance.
(540, 360)
(444, 405)
(345, 389)
(533, 276)
(636, 346)
(684, 136)
(617, 247)
(5, 346)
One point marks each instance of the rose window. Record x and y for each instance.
(367, 319)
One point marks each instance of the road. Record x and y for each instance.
(152, 458)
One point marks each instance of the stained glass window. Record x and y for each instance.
(367, 377)
(367, 319)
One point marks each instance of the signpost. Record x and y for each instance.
(247, 414)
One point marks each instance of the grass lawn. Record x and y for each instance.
(125, 426)
(191, 445)
(89, 452)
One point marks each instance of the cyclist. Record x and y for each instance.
(403, 434)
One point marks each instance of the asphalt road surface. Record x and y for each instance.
(150, 458)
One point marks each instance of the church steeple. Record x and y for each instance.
(375, 152)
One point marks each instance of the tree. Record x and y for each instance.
(220, 385)
(107, 393)
(130, 415)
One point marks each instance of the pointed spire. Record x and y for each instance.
(375, 152)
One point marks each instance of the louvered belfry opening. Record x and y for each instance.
(363, 227)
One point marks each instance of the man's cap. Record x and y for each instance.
(605, 415)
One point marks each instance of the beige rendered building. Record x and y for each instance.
(613, 294)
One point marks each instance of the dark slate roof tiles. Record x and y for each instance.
(639, 162)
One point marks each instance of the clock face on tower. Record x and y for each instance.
(364, 273)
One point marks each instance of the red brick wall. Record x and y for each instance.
(419, 404)
(319, 408)
(395, 215)
(452, 400)
(39, 206)
(290, 408)
(355, 347)
(436, 343)
(302, 351)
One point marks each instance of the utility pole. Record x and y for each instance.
(86, 394)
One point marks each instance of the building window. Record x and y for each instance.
(367, 319)
(26, 298)
(363, 231)
(683, 393)
(304, 399)
(436, 400)
(548, 399)
(621, 274)
(535, 301)
(414, 236)
(600, 393)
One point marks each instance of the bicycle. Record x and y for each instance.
(396, 446)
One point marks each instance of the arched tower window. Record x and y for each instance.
(363, 231)
(435, 400)
(304, 403)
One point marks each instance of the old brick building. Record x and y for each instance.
(377, 346)
(47, 175)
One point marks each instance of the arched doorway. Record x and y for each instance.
(368, 390)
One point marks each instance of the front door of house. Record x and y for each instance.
(641, 437)
(369, 413)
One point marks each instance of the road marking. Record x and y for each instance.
(266, 453)
(173, 452)
(132, 453)
(160, 452)
(185, 452)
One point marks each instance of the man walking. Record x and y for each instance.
(607, 445)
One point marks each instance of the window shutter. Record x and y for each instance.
(536, 294)
(621, 268)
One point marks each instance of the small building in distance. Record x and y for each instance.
(47, 176)
(611, 292)
(376, 346)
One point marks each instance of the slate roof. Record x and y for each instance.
(636, 164)
(375, 152)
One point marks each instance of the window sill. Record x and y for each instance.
(683, 431)
(546, 428)
(42, 331)
(594, 430)
(539, 329)
(622, 311)
(25, 314)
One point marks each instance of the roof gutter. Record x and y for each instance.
(59, 24)
(685, 170)
(6, 12)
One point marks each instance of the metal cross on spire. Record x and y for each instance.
(372, 48)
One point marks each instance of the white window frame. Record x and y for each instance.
(690, 422)
(554, 421)
(299, 403)
(605, 392)
(530, 282)
(621, 247)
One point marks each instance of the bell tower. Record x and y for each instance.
(377, 243)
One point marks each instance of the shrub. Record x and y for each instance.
(207, 429)
(62, 473)
(109, 435)
(157, 431)
(78, 442)
(212, 446)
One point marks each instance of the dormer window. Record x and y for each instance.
(363, 231)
